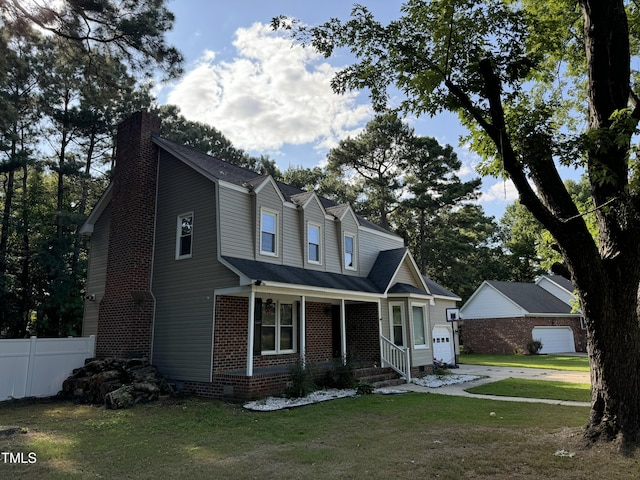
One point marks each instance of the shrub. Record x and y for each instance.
(440, 368)
(364, 388)
(534, 347)
(301, 381)
(340, 376)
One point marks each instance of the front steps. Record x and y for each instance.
(379, 377)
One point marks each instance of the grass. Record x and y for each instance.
(518, 387)
(375, 436)
(553, 362)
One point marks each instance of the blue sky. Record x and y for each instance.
(270, 97)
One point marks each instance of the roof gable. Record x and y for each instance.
(506, 299)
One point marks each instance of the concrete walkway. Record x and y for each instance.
(493, 374)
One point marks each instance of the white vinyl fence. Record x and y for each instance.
(36, 367)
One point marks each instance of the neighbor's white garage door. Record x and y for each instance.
(555, 339)
(443, 345)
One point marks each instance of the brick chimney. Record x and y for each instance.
(126, 310)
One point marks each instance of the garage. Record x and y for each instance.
(555, 339)
(443, 345)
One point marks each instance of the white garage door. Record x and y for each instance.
(555, 339)
(443, 345)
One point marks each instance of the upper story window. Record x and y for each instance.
(268, 233)
(349, 252)
(313, 243)
(184, 236)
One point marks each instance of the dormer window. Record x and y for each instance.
(184, 236)
(268, 233)
(313, 243)
(349, 252)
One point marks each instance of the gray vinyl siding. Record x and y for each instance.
(333, 246)
(183, 289)
(97, 272)
(237, 231)
(407, 275)
(292, 241)
(370, 244)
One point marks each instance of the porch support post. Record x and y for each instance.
(303, 330)
(343, 332)
(380, 332)
(251, 332)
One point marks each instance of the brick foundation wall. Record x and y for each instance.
(126, 309)
(509, 335)
(230, 334)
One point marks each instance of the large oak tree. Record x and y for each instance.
(537, 83)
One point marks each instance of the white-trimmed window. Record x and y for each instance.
(184, 236)
(349, 246)
(268, 233)
(313, 243)
(420, 328)
(278, 329)
(396, 314)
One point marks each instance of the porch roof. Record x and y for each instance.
(271, 272)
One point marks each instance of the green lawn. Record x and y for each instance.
(414, 435)
(518, 387)
(554, 362)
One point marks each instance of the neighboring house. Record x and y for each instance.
(503, 317)
(226, 278)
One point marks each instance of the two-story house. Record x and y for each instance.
(225, 278)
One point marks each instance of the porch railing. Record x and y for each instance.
(395, 357)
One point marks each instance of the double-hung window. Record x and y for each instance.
(349, 252)
(268, 233)
(278, 328)
(396, 311)
(313, 243)
(184, 236)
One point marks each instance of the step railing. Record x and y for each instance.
(395, 357)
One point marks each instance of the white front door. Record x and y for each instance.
(442, 344)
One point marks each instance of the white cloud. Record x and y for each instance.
(270, 94)
(503, 191)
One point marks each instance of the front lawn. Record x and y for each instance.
(518, 387)
(414, 435)
(554, 362)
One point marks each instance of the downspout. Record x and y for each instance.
(252, 312)
(303, 330)
(343, 332)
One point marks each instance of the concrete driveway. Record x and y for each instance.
(493, 374)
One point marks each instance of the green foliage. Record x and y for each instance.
(341, 375)
(364, 388)
(518, 387)
(301, 381)
(534, 347)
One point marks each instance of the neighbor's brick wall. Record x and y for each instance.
(126, 309)
(508, 335)
(363, 332)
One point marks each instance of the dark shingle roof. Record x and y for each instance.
(299, 276)
(385, 266)
(405, 288)
(531, 297)
(437, 289)
(563, 282)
